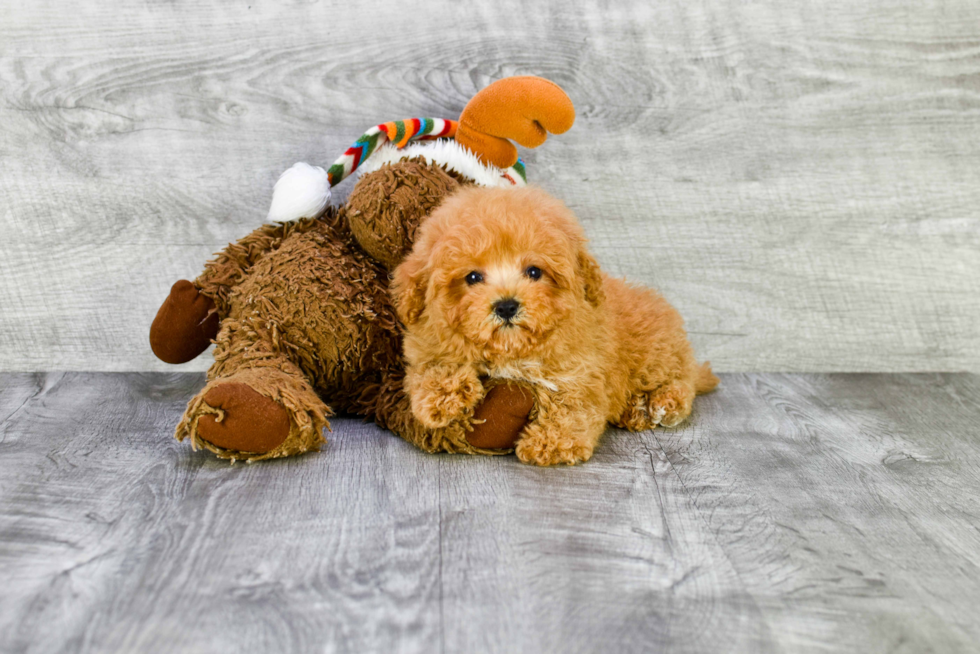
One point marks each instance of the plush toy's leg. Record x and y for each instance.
(257, 403)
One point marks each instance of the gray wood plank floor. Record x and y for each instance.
(800, 177)
(793, 513)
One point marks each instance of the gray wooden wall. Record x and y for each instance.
(801, 178)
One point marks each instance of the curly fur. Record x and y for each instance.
(596, 349)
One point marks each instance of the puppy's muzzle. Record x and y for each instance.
(506, 308)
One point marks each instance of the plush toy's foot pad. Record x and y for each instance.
(184, 325)
(505, 410)
(243, 420)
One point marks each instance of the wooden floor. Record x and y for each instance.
(794, 513)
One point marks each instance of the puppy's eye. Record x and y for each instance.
(474, 278)
(533, 272)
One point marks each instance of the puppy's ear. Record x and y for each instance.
(591, 277)
(409, 284)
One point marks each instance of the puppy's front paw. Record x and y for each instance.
(440, 396)
(542, 447)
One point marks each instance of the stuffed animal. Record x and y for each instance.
(300, 311)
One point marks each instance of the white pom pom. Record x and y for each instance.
(301, 192)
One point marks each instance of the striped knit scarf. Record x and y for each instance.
(400, 133)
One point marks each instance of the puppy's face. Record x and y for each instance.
(506, 298)
(503, 268)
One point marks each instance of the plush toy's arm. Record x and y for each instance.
(184, 325)
(191, 315)
(231, 265)
(495, 411)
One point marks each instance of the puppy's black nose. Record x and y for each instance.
(506, 309)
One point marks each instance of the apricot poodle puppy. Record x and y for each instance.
(500, 285)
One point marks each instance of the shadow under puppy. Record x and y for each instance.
(500, 285)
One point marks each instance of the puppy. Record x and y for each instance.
(500, 284)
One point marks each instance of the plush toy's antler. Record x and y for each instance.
(524, 109)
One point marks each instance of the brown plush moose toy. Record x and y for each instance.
(300, 311)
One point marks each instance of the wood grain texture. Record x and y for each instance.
(800, 178)
(795, 513)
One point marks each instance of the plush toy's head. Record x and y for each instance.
(388, 205)
(524, 109)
